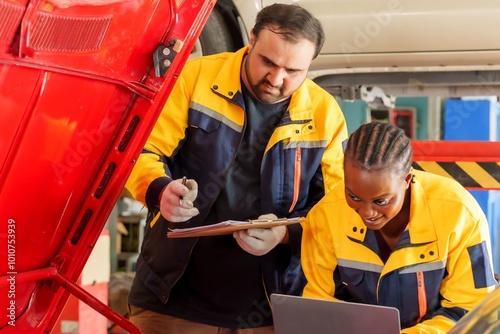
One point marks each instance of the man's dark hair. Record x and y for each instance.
(377, 146)
(291, 22)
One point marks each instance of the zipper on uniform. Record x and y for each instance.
(296, 177)
(422, 297)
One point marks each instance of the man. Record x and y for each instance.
(254, 138)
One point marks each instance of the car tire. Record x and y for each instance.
(215, 37)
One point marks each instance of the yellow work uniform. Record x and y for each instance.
(440, 268)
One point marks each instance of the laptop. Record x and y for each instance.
(300, 315)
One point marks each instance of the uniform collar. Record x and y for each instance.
(421, 224)
(227, 82)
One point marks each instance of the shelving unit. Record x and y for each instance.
(130, 243)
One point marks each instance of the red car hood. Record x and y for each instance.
(81, 85)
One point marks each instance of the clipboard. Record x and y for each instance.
(229, 226)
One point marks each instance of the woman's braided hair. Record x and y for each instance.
(377, 146)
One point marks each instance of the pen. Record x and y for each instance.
(184, 181)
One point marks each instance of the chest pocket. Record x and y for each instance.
(361, 284)
(204, 122)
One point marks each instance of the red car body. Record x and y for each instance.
(81, 85)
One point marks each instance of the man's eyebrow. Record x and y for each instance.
(274, 64)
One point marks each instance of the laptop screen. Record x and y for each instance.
(300, 315)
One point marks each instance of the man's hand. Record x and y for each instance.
(259, 241)
(176, 201)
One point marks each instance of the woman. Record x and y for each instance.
(397, 237)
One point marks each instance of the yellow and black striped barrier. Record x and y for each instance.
(473, 175)
(475, 165)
